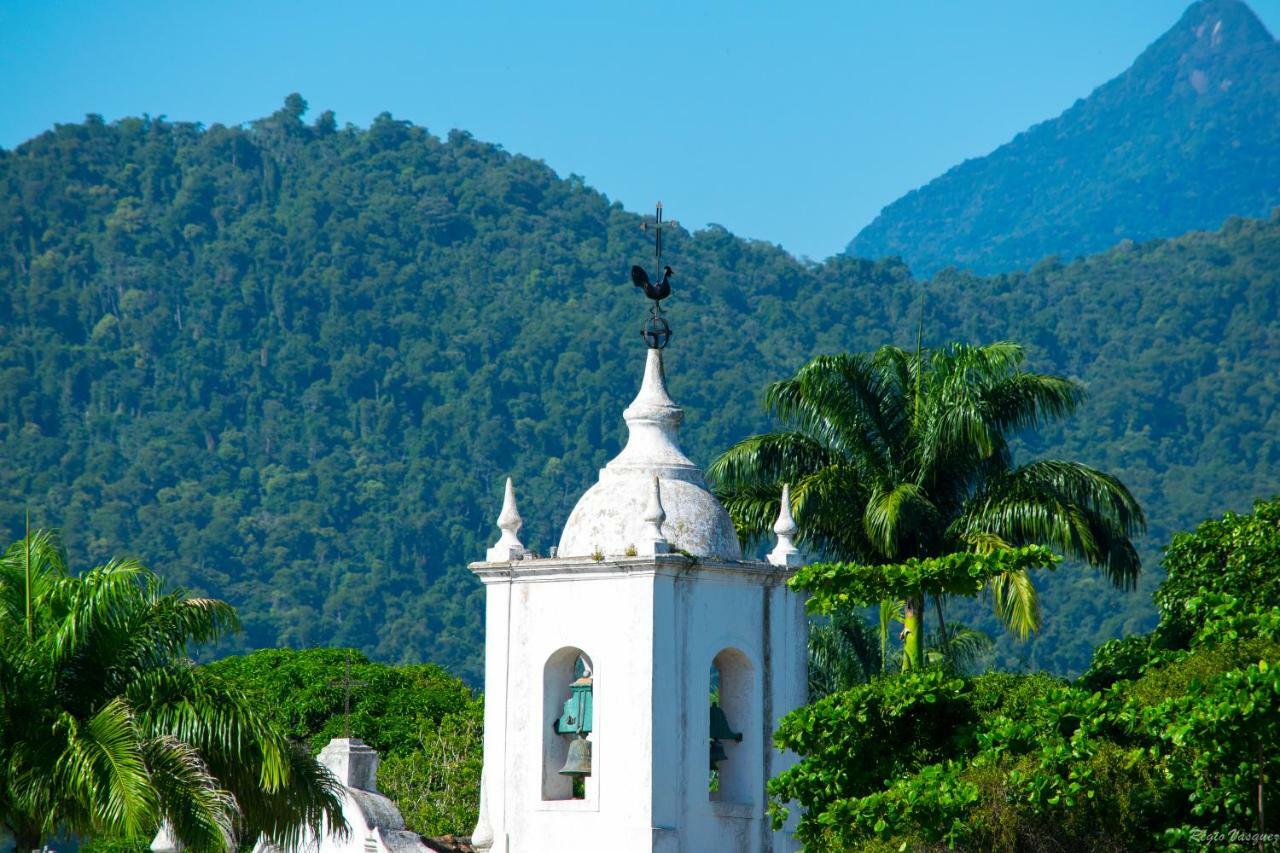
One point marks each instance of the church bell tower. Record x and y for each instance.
(633, 680)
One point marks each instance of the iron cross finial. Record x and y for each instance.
(346, 684)
(657, 225)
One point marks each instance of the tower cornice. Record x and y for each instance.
(577, 568)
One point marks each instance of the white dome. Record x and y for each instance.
(609, 518)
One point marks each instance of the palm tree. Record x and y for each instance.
(106, 728)
(905, 454)
(843, 651)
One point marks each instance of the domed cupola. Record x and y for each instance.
(610, 519)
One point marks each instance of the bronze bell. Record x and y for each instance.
(720, 731)
(578, 763)
(720, 726)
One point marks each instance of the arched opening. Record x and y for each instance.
(568, 721)
(732, 727)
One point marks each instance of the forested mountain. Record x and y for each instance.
(1187, 136)
(291, 364)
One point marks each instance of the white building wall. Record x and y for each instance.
(608, 616)
(746, 609)
(651, 628)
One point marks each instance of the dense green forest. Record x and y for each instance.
(290, 364)
(1166, 743)
(1187, 136)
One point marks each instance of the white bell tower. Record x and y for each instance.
(648, 607)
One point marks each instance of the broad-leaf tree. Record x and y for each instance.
(904, 455)
(1167, 743)
(425, 723)
(107, 729)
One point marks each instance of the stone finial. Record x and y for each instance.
(785, 553)
(653, 423)
(352, 762)
(651, 539)
(508, 546)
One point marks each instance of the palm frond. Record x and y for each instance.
(826, 504)
(1016, 603)
(891, 516)
(840, 402)
(1077, 509)
(197, 810)
(158, 634)
(890, 612)
(776, 457)
(105, 774)
(843, 652)
(102, 598)
(42, 552)
(1029, 400)
(309, 806)
(898, 368)
(964, 650)
(969, 363)
(237, 742)
(984, 541)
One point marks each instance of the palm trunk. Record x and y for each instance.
(942, 629)
(913, 633)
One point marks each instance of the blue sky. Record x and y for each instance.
(793, 122)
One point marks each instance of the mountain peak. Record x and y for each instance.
(1203, 54)
(1187, 136)
(1214, 20)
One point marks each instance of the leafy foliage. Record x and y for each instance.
(1183, 139)
(837, 586)
(106, 729)
(895, 727)
(435, 779)
(303, 694)
(1234, 555)
(292, 363)
(425, 723)
(1164, 744)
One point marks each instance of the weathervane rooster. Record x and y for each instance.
(656, 292)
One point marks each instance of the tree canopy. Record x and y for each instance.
(291, 363)
(425, 723)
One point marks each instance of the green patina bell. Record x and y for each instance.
(575, 717)
(578, 763)
(575, 720)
